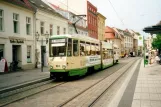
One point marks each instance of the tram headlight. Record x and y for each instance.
(51, 67)
(63, 66)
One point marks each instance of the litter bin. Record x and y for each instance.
(146, 61)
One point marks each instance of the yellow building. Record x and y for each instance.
(101, 26)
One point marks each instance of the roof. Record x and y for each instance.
(39, 4)
(109, 33)
(77, 36)
(22, 3)
(155, 29)
(101, 15)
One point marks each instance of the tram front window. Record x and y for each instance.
(58, 49)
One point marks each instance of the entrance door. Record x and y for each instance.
(16, 52)
(43, 51)
(1, 51)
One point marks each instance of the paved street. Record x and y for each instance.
(64, 92)
(19, 77)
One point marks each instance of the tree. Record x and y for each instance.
(157, 42)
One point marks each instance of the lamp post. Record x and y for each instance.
(36, 54)
(42, 49)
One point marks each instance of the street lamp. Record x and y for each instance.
(36, 54)
(42, 49)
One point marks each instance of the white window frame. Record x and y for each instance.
(64, 30)
(58, 30)
(51, 29)
(28, 22)
(42, 25)
(2, 17)
(16, 19)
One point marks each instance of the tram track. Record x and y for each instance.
(67, 102)
(99, 97)
(46, 86)
(27, 91)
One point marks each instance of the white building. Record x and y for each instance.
(16, 32)
(81, 25)
(128, 42)
(48, 22)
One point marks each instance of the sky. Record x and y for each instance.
(128, 14)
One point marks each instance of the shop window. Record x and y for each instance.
(1, 51)
(28, 54)
(75, 48)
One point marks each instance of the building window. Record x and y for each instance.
(16, 23)
(1, 51)
(42, 27)
(64, 30)
(28, 25)
(28, 54)
(51, 29)
(1, 20)
(58, 30)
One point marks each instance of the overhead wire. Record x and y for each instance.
(116, 13)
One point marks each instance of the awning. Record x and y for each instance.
(156, 29)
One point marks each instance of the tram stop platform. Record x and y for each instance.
(19, 77)
(142, 87)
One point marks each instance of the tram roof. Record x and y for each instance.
(76, 36)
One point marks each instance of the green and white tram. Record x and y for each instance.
(75, 55)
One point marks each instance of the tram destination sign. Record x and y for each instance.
(58, 41)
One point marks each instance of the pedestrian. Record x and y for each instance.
(157, 59)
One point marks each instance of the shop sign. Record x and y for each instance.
(16, 41)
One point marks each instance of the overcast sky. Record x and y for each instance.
(135, 14)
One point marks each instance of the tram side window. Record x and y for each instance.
(75, 48)
(97, 49)
(82, 48)
(93, 50)
(87, 51)
(105, 53)
(69, 52)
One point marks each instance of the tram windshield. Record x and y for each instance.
(57, 47)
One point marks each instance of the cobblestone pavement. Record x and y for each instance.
(148, 87)
(56, 96)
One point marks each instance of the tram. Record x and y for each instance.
(75, 55)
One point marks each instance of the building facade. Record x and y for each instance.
(112, 36)
(48, 23)
(92, 20)
(17, 32)
(80, 25)
(101, 26)
(128, 42)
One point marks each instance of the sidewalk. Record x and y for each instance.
(148, 88)
(10, 79)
